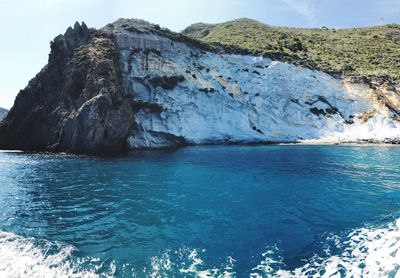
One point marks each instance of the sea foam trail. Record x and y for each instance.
(364, 252)
(188, 264)
(23, 257)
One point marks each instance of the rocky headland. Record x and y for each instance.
(133, 84)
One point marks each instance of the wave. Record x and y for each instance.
(23, 257)
(364, 252)
(188, 263)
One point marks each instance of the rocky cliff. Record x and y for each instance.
(76, 103)
(134, 85)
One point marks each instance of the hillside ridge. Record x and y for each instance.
(369, 54)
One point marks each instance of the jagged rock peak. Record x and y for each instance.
(76, 103)
(63, 45)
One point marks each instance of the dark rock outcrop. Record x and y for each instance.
(75, 104)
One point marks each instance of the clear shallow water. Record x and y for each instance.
(238, 211)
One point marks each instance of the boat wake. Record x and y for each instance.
(364, 252)
(23, 257)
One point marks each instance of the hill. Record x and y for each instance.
(372, 52)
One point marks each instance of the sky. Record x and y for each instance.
(28, 26)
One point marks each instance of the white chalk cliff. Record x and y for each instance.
(232, 98)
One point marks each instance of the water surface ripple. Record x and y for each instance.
(238, 211)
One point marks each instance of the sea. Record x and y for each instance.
(203, 211)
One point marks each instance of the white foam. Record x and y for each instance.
(365, 253)
(23, 257)
(189, 264)
(377, 128)
(269, 265)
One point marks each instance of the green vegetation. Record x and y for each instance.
(372, 52)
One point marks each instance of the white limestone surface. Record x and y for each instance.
(234, 98)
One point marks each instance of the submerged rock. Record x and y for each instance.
(134, 85)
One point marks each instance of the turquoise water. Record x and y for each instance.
(210, 210)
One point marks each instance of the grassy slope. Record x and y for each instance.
(372, 52)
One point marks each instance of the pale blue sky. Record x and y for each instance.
(27, 26)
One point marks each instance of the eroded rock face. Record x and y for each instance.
(76, 103)
(135, 85)
(204, 97)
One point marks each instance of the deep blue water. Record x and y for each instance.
(239, 210)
